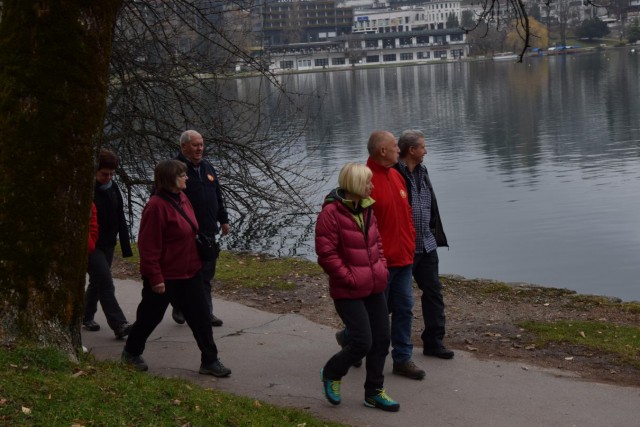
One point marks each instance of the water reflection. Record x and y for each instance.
(536, 165)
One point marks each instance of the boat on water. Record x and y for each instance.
(506, 56)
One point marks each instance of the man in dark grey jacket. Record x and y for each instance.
(205, 195)
(429, 236)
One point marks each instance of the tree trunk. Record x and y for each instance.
(54, 71)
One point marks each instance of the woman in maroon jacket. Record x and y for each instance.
(349, 250)
(170, 267)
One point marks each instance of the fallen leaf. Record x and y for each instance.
(530, 347)
(176, 402)
(257, 404)
(469, 348)
(582, 334)
(568, 358)
(78, 374)
(26, 410)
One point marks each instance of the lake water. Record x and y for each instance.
(536, 166)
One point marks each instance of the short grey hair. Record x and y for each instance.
(186, 136)
(409, 138)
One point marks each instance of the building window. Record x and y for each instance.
(321, 62)
(424, 55)
(373, 58)
(304, 63)
(455, 37)
(406, 56)
(354, 61)
(391, 57)
(337, 61)
(286, 65)
(457, 53)
(442, 54)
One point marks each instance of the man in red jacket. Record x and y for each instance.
(395, 224)
(393, 212)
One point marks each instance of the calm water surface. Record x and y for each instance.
(536, 166)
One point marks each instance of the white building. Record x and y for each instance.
(371, 49)
(431, 16)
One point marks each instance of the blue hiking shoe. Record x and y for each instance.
(382, 401)
(331, 389)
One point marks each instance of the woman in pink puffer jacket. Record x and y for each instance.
(349, 250)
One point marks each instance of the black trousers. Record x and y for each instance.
(186, 295)
(101, 289)
(367, 321)
(425, 272)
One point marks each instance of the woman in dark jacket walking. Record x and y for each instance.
(111, 224)
(349, 250)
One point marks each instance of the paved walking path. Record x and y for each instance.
(277, 358)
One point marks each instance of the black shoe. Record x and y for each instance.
(215, 321)
(136, 362)
(440, 352)
(177, 316)
(217, 369)
(340, 339)
(123, 330)
(91, 325)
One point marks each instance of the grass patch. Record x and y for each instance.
(135, 259)
(248, 270)
(41, 387)
(622, 341)
(258, 270)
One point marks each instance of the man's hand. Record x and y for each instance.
(159, 288)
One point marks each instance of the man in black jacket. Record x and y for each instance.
(205, 195)
(429, 236)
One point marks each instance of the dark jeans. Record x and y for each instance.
(425, 272)
(399, 294)
(367, 320)
(184, 294)
(101, 289)
(208, 272)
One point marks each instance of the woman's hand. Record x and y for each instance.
(159, 288)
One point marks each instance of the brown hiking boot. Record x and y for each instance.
(408, 369)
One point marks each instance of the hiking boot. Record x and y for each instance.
(408, 369)
(177, 315)
(340, 339)
(123, 330)
(137, 362)
(91, 325)
(381, 401)
(439, 352)
(331, 389)
(215, 321)
(217, 369)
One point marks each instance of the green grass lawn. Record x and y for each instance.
(44, 388)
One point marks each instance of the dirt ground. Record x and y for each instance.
(482, 318)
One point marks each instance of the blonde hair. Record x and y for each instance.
(353, 178)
